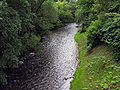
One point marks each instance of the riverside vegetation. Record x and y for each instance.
(99, 42)
(22, 25)
(24, 22)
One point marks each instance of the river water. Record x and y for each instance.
(54, 69)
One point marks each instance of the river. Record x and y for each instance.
(54, 69)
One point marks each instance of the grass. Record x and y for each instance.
(94, 70)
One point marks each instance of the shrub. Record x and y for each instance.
(10, 43)
(111, 30)
(106, 29)
(94, 33)
(29, 41)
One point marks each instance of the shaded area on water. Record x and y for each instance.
(54, 68)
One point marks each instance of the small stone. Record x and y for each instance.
(32, 89)
(21, 62)
(32, 54)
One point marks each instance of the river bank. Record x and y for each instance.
(97, 70)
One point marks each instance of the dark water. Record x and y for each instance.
(54, 69)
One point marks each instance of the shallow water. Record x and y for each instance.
(54, 69)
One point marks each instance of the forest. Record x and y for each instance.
(24, 23)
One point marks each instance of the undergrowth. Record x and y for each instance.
(98, 70)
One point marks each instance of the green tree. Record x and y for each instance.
(65, 11)
(47, 15)
(10, 43)
(83, 13)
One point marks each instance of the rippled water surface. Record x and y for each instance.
(54, 69)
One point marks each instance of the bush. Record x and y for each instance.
(106, 29)
(10, 43)
(94, 35)
(111, 30)
(29, 41)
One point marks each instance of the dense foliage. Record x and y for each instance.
(101, 21)
(106, 30)
(22, 22)
(66, 11)
(48, 15)
(10, 43)
(83, 13)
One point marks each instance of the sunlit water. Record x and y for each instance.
(54, 69)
